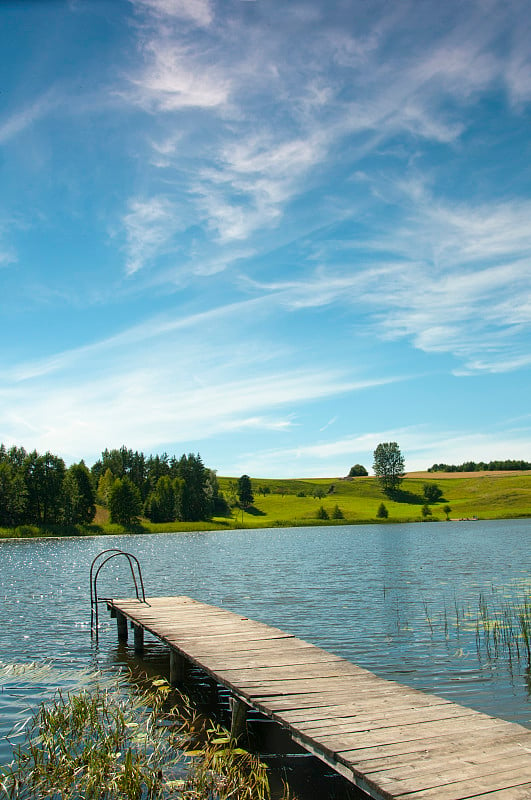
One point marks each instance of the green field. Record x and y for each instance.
(487, 496)
(296, 502)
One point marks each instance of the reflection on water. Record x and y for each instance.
(400, 600)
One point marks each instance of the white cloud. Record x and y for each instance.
(149, 226)
(306, 96)
(198, 11)
(154, 405)
(174, 78)
(167, 381)
(134, 338)
(253, 181)
(24, 118)
(517, 69)
(461, 283)
(7, 255)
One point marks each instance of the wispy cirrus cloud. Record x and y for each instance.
(23, 118)
(167, 381)
(153, 406)
(7, 254)
(357, 86)
(150, 226)
(461, 283)
(141, 337)
(174, 78)
(199, 12)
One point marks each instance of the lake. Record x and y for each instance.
(400, 600)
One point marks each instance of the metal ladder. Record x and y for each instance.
(95, 569)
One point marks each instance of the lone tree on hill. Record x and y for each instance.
(389, 466)
(245, 492)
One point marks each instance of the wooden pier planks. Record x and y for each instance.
(392, 741)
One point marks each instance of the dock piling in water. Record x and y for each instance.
(178, 667)
(139, 639)
(238, 724)
(121, 624)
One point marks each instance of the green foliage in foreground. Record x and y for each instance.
(297, 502)
(112, 743)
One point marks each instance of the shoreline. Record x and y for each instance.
(150, 529)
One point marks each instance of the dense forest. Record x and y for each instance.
(40, 490)
(482, 466)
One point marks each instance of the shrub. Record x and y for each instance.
(322, 513)
(432, 493)
(382, 512)
(357, 471)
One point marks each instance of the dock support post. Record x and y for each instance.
(238, 724)
(139, 639)
(177, 667)
(121, 624)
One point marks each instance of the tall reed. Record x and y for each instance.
(116, 743)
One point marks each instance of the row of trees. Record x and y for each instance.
(482, 466)
(163, 489)
(40, 490)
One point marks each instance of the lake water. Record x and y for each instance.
(400, 600)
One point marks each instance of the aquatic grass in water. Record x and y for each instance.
(110, 743)
(95, 743)
(502, 625)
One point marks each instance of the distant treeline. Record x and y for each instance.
(482, 466)
(40, 490)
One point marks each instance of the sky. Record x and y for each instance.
(273, 232)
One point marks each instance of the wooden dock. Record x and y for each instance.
(388, 739)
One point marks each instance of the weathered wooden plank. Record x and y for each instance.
(218, 637)
(257, 658)
(325, 669)
(430, 774)
(344, 684)
(427, 753)
(522, 792)
(355, 722)
(399, 733)
(369, 707)
(431, 747)
(502, 780)
(391, 694)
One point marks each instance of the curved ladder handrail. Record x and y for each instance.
(103, 552)
(118, 551)
(94, 599)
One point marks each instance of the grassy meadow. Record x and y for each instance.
(296, 502)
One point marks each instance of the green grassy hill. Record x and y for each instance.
(296, 502)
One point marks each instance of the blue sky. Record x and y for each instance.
(275, 233)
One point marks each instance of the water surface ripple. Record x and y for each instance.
(400, 600)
